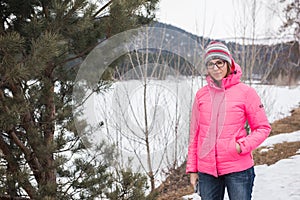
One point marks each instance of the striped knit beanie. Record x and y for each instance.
(216, 50)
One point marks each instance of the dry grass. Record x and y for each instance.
(278, 152)
(288, 124)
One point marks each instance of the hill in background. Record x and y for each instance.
(274, 64)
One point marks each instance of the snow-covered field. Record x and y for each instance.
(123, 104)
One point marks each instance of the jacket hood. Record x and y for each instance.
(232, 79)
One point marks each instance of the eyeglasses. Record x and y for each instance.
(218, 63)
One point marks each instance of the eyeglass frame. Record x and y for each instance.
(212, 65)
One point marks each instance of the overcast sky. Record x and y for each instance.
(222, 19)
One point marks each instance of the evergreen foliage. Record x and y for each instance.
(42, 43)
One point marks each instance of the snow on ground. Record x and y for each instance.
(285, 137)
(279, 181)
(278, 100)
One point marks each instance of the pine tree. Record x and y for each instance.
(42, 43)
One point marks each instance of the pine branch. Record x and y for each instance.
(45, 9)
(14, 167)
(80, 55)
(29, 155)
(8, 197)
(72, 10)
(102, 8)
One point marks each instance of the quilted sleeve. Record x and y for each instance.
(258, 122)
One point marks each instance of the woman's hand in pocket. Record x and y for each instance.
(238, 148)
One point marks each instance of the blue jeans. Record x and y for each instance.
(239, 185)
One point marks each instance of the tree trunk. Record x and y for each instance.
(48, 184)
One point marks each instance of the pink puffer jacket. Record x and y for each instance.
(218, 123)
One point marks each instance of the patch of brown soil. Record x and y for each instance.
(288, 124)
(278, 152)
(176, 185)
(176, 194)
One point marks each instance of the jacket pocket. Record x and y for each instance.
(231, 148)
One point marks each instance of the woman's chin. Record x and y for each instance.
(218, 78)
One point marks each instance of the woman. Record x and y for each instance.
(219, 152)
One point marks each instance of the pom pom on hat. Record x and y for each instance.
(215, 50)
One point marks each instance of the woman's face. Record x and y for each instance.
(217, 69)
